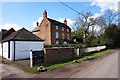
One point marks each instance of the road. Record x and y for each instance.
(103, 67)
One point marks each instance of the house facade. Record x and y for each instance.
(52, 31)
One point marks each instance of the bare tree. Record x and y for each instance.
(84, 22)
(106, 20)
(100, 22)
(110, 17)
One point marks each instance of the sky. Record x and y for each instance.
(26, 14)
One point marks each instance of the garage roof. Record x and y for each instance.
(22, 35)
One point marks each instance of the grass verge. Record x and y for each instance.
(69, 61)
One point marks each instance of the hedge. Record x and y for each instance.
(63, 45)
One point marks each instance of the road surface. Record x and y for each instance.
(103, 67)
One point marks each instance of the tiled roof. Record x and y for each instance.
(36, 29)
(22, 35)
(7, 33)
(53, 22)
(58, 23)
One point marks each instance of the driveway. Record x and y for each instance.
(8, 71)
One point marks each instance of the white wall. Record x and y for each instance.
(11, 50)
(91, 49)
(0, 49)
(5, 50)
(23, 48)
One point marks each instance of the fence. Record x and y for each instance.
(36, 58)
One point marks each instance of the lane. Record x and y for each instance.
(105, 68)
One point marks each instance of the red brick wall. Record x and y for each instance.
(48, 33)
(53, 35)
(45, 31)
(53, 55)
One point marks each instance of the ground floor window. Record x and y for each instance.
(57, 42)
(64, 42)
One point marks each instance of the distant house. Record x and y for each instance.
(52, 31)
(18, 44)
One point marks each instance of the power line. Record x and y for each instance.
(73, 9)
(68, 7)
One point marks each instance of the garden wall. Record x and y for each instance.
(53, 55)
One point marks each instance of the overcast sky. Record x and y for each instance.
(26, 14)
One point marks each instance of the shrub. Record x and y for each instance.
(63, 45)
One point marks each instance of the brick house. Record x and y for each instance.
(52, 31)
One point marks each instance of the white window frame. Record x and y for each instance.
(57, 35)
(56, 27)
(57, 42)
(67, 30)
(68, 36)
(63, 36)
(62, 28)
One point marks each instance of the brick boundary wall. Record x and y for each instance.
(53, 55)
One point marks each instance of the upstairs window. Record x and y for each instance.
(67, 30)
(57, 35)
(63, 36)
(57, 27)
(68, 36)
(62, 28)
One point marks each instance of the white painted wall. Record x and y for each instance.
(0, 49)
(91, 49)
(11, 50)
(23, 48)
(5, 50)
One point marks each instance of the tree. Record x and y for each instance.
(84, 22)
(110, 17)
(100, 21)
(112, 36)
(78, 35)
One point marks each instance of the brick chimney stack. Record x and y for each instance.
(65, 21)
(37, 24)
(45, 14)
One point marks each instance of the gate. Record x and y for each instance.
(36, 58)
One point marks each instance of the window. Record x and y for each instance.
(67, 30)
(57, 42)
(57, 35)
(67, 36)
(56, 27)
(63, 36)
(65, 42)
(62, 28)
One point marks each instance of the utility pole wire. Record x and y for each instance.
(68, 7)
(73, 9)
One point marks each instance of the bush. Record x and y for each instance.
(63, 45)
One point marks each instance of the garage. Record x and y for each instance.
(19, 44)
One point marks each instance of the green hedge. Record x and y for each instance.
(63, 45)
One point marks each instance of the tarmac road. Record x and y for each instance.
(103, 67)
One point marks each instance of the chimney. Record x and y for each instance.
(3, 31)
(45, 14)
(65, 21)
(37, 24)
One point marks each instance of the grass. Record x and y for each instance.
(69, 61)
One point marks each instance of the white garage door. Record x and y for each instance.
(23, 48)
